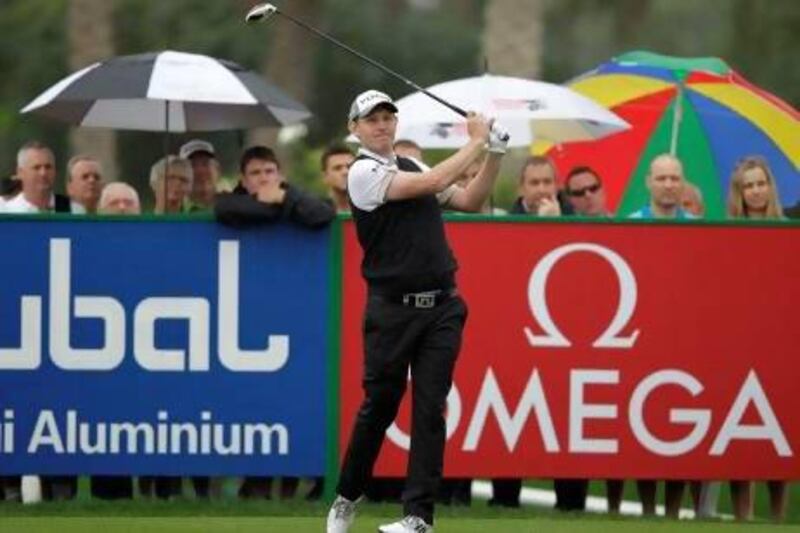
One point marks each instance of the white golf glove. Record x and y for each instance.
(498, 139)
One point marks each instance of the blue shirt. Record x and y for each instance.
(647, 212)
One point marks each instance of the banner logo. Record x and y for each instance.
(611, 337)
(65, 308)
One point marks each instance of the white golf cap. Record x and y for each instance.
(367, 101)
(196, 146)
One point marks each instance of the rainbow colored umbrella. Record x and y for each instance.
(698, 109)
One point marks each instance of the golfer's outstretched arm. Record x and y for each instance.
(413, 184)
(474, 196)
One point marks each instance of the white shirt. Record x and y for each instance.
(369, 179)
(20, 205)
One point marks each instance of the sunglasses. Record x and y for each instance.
(580, 193)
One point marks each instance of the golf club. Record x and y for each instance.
(262, 12)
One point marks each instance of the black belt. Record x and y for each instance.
(419, 300)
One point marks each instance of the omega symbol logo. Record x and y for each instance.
(612, 336)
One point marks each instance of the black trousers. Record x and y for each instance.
(455, 491)
(571, 494)
(397, 338)
(112, 487)
(56, 488)
(506, 492)
(162, 487)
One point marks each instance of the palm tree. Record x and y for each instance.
(289, 59)
(513, 38)
(90, 33)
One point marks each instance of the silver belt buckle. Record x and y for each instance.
(421, 300)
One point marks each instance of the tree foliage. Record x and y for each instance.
(758, 38)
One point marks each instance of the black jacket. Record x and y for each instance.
(792, 212)
(238, 208)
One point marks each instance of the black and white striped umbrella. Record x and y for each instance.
(167, 91)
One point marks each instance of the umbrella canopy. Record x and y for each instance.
(698, 109)
(527, 109)
(167, 91)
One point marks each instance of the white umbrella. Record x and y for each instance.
(529, 110)
(170, 92)
(167, 91)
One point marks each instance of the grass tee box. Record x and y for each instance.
(363, 525)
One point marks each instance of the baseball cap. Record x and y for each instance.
(196, 146)
(367, 101)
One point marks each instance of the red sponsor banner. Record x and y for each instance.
(611, 350)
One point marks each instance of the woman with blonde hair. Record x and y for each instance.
(753, 195)
(171, 197)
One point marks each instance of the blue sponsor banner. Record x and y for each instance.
(162, 347)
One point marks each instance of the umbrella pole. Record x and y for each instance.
(677, 118)
(166, 152)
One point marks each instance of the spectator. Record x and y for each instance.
(538, 196)
(753, 195)
(408, 148)
(466, 178)
(665, 181)
(115, 199)
(36, 170)
(119, 199)
(692, 200)
(205, 175)
(264, 195)
(336, 161)
(171, 180)
(704, 493)
(538, 190)
(585, 192)
(457, 490)
(205, 171)
(84, 183)
(587, 196)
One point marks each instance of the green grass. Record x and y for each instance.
(187, 515)
(761, 507)
(363, 525)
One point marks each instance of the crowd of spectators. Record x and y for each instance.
(189, 182)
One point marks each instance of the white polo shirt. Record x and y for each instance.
(369, 179)
(20, 205)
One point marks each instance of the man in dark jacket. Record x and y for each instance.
(538, 190)
(539, 196)
(264, 195)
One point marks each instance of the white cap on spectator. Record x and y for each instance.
(196, 146)
(367, 101)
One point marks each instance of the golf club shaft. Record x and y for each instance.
(372, 62)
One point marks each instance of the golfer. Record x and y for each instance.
(414, 315)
